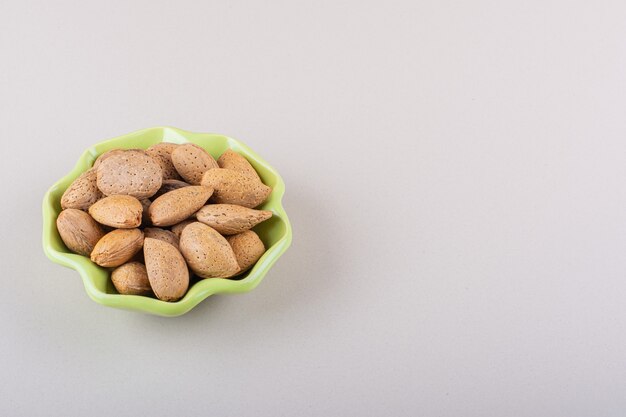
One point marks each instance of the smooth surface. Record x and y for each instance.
(455, 182)
(275, 233)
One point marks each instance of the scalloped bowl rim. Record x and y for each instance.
(201, 289)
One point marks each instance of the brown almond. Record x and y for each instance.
(229, 219)
(120, 211)
(132, 172)
(170, 185)
(177, 205)
(79, 231)
(167, 271)
(248, 248)
(83, 192)
(192, 161)
(117, 247)
(232, 160)
(162, 154)
(132, 279)
(232, 187)
(207, 252)
(177, 229)
(161, 234)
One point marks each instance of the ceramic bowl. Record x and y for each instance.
(275, 232)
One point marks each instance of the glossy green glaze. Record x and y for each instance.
(275, 233)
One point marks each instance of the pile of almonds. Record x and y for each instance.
(158, 215)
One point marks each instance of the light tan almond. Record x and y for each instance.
(232, 187)
(167, 271)
(177, 205)
(207, 253)
(170, 185)
(161, 234)
(229, 219)
(107, 154)
(177, 229)
(82, 193)
(248, 248)
(131, 278)
(232, 160)
(132, 172)
(117, 247)
(79, 231)
(120, 211)
(192, 161)
(162, 153)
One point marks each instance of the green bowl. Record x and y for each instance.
(275, 232)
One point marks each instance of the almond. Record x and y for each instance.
(170, 185)
(232, 187)
(79, 231)
(161, 234)
(177, 205)
(107, 154)
(132, 172)
(177, 229)
(121, 211)
(162, 154)
(248, 248)
(131, 278)
(167, 271)
(207, 252)
(229, 219)
(117, 247)
(232, 160)
(83, 192)
(191, 162)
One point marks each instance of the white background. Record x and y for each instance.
(455, 178)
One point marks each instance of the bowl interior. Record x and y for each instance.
(275, 232)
